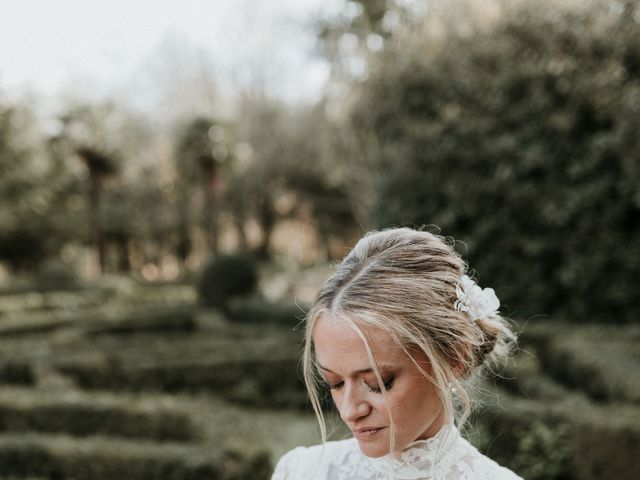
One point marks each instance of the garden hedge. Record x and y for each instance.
(569, 439)
(105, 459)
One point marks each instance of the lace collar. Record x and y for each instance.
(433, 455)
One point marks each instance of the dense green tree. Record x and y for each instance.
(105, 137)
(521, 140)
(201, 151)
(154, 219)
(35, 192)
(258, 176)
(350, 37)
(313, 173)
(287, 153)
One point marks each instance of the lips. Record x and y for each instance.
(366, 433)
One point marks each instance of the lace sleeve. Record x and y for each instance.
(287, 466)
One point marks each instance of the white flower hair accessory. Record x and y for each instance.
(478, 303)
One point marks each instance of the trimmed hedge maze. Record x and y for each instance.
(166, 392)
(170, 392)
(90, 459)
(567, 408)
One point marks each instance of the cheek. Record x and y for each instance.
(418, 399)
(379, 404)
(403, 406)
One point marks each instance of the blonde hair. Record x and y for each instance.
(403, 282)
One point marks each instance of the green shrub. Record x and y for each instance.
(259, 311)
(224, 277)
(562, 439)
(264, 382)
(56, 275)
(531, 438)
(595, 359)
(96, 458)
(149, 319)
(84, 418)
(32, 327)
(17, 373)
(608, 444)
(146, 319)
(34, 301)
(524, 378)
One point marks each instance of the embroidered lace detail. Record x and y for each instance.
(422, 459)
(446, 456)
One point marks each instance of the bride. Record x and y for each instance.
(395, 335)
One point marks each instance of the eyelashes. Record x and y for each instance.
(387, 385)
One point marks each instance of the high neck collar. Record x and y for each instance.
(420, 456)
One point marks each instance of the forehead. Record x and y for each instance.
(339, 346)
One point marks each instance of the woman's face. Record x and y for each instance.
(412, 399)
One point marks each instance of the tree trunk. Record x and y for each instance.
(183, 245)
(124, 265)
(267, 220)
(210, 212)
(95, 225)
(238, 222)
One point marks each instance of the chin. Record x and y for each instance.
(374, 449)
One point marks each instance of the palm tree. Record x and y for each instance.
(99, 165)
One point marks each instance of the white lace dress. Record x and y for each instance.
(443, 457)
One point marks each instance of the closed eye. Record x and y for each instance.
(387, 385)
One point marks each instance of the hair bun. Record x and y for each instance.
(497, 340)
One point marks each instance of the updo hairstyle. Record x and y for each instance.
(403, 282)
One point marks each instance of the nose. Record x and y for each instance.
(353, 406)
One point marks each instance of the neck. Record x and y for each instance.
(434, 427)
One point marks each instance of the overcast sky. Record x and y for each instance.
(101, 46)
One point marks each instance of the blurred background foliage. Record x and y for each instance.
(512, 132)
(522, 141)
(153, 270)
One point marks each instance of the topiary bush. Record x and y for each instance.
(224, 277)
(56, 275)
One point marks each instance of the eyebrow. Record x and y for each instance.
(358, 372)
